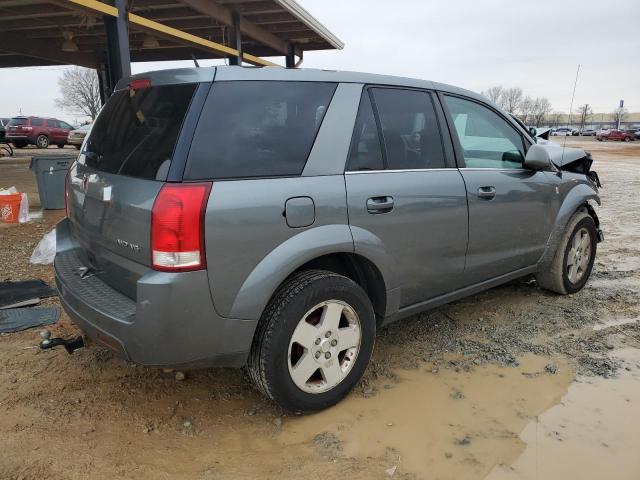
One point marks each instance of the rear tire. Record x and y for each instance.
(574, 257)
(42, 141)
(313, 342)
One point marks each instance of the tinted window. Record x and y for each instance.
(136, 131)
(62, 124)
(18, 121)
(487, 140)
(253, 129)
(365, 151)
(410, 129)
(38, 122)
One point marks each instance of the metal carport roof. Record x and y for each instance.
(32, 32)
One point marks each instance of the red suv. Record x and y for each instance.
(38, 131)
(621, 135)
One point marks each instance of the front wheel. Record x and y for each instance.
(574, 257)
(627, 139)
(313, 342)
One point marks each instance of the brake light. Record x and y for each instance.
(27, 129)
(177, 227)
(140, 83)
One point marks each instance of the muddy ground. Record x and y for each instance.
(511, 383)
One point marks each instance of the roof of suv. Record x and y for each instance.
(225, 73)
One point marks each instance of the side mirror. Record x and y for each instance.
(537, 158)
(533, 131)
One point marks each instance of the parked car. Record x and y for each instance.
(38, 131)
(637, 134)
(561, 132)
(3, 125)
(76, 137)
(588, 132)
(621, 135)
(270, 219)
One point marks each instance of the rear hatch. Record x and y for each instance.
(121, 168)
(18, 126)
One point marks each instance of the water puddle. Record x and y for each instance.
(591, 434)
(443, 424)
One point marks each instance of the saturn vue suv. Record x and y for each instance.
(276, 218)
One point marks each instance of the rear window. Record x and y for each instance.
(257, 129)
(136, 131)
(17, 121)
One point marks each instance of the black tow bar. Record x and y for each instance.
(70, 345)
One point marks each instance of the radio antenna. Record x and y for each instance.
(573, 95)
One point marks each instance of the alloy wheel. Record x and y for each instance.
(579, 255)
(324, 346)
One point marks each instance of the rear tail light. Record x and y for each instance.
(177, 227)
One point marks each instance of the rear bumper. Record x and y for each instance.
(18, 138)
(171, 324)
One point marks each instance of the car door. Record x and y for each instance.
(52, 130)
(510, 207)
(406, 200)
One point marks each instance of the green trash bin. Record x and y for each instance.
(50, 173)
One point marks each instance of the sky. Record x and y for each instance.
(535, 45)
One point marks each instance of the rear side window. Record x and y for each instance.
(136, 131)
(365, 151)
(38, 122)
(257, 129)
(410, 129)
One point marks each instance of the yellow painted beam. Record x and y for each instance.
(167, 31)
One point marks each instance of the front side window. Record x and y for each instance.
(487, 140)
(365, 153)
(410, 129)
(257, 129)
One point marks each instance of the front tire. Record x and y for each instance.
(313, 342)
(574, 257)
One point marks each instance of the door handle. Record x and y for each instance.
(382, 204)
(488, 192)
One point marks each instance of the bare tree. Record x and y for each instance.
(554, 119)
(525, 110)
(541, 108)
(585, 113)
(493, 93)
(619, 114)
(80, 92)
(511, 99)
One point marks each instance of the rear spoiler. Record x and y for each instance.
(171, 77)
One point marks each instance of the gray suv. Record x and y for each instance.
(276, 218)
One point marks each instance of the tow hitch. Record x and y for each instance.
(70, 345)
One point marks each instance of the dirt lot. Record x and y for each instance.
(510, 383)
